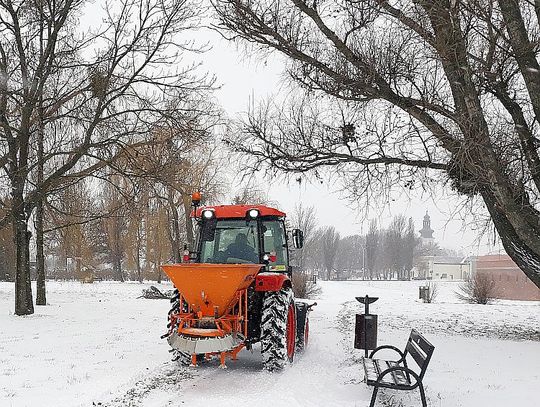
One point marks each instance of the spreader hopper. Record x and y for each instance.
(211, 288)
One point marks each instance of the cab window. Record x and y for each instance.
(274, 242)
(235, 241)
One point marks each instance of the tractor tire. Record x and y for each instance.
(182, 358)
(278, 329)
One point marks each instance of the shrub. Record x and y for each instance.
(479, 289)
(303, 287)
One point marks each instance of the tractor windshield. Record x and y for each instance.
(235, 241)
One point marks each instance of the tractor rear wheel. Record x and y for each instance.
(278, 329)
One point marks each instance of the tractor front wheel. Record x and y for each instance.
(278, 329)
(182, 358)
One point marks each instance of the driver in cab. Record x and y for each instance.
(240, 249)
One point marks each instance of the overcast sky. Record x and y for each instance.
(244, 79)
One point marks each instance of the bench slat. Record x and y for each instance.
(417, 353)
(422, 342)
(399, 375)
(383, 365)
(371, 370)
(374, 367)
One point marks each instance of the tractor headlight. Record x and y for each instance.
(253, 213)
(208, 214)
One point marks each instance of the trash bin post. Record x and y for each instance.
(362, 342)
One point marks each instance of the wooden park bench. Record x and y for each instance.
(397, 374)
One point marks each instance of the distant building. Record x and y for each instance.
(444, 268)
(426, 233)
(510, 282)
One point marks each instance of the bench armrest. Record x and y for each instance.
(407, 371)
(402, 356)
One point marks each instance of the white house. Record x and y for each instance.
(444, 267)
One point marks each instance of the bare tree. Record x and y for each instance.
(117, 202)
(142, 203)
(432, 292)
(329, 245)
(70, 238)
(305, 219)
(304, 287)
(7, 248)
(410, 244)
(349, 259)
(395, 246)
(372, 249)
(478, 289)
(407, 92)
(180, 161)
(87, 94)
(250, 195)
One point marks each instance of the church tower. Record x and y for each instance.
(426, 233)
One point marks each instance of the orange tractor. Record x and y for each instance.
(235, 288)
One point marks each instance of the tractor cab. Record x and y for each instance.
(242, 234)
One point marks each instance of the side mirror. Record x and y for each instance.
(298, 238)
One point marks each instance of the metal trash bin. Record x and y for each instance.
(365, 331)
(423, 293)
(421, 290)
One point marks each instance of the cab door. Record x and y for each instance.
(275, 245)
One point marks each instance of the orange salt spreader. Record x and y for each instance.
(214, 315)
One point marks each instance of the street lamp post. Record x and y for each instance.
(363, 262)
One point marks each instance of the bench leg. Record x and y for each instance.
(373, 396)
(422, 395)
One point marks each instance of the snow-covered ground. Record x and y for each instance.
(99, 343)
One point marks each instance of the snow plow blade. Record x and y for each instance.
(210, 289)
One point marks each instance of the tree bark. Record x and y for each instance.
(117, 251)
(41, 297)
(186, 199)
(23, 289)
(526, 258)
(138, 253)
(175, 236)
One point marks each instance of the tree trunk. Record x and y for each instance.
(158, 246)
(117, 251)
(186, 199)
(175, 236)
(23, 289)
(527, 259)
(138, 253)
(41, 298)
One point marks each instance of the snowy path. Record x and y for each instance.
(100, 344)
(317, 377)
